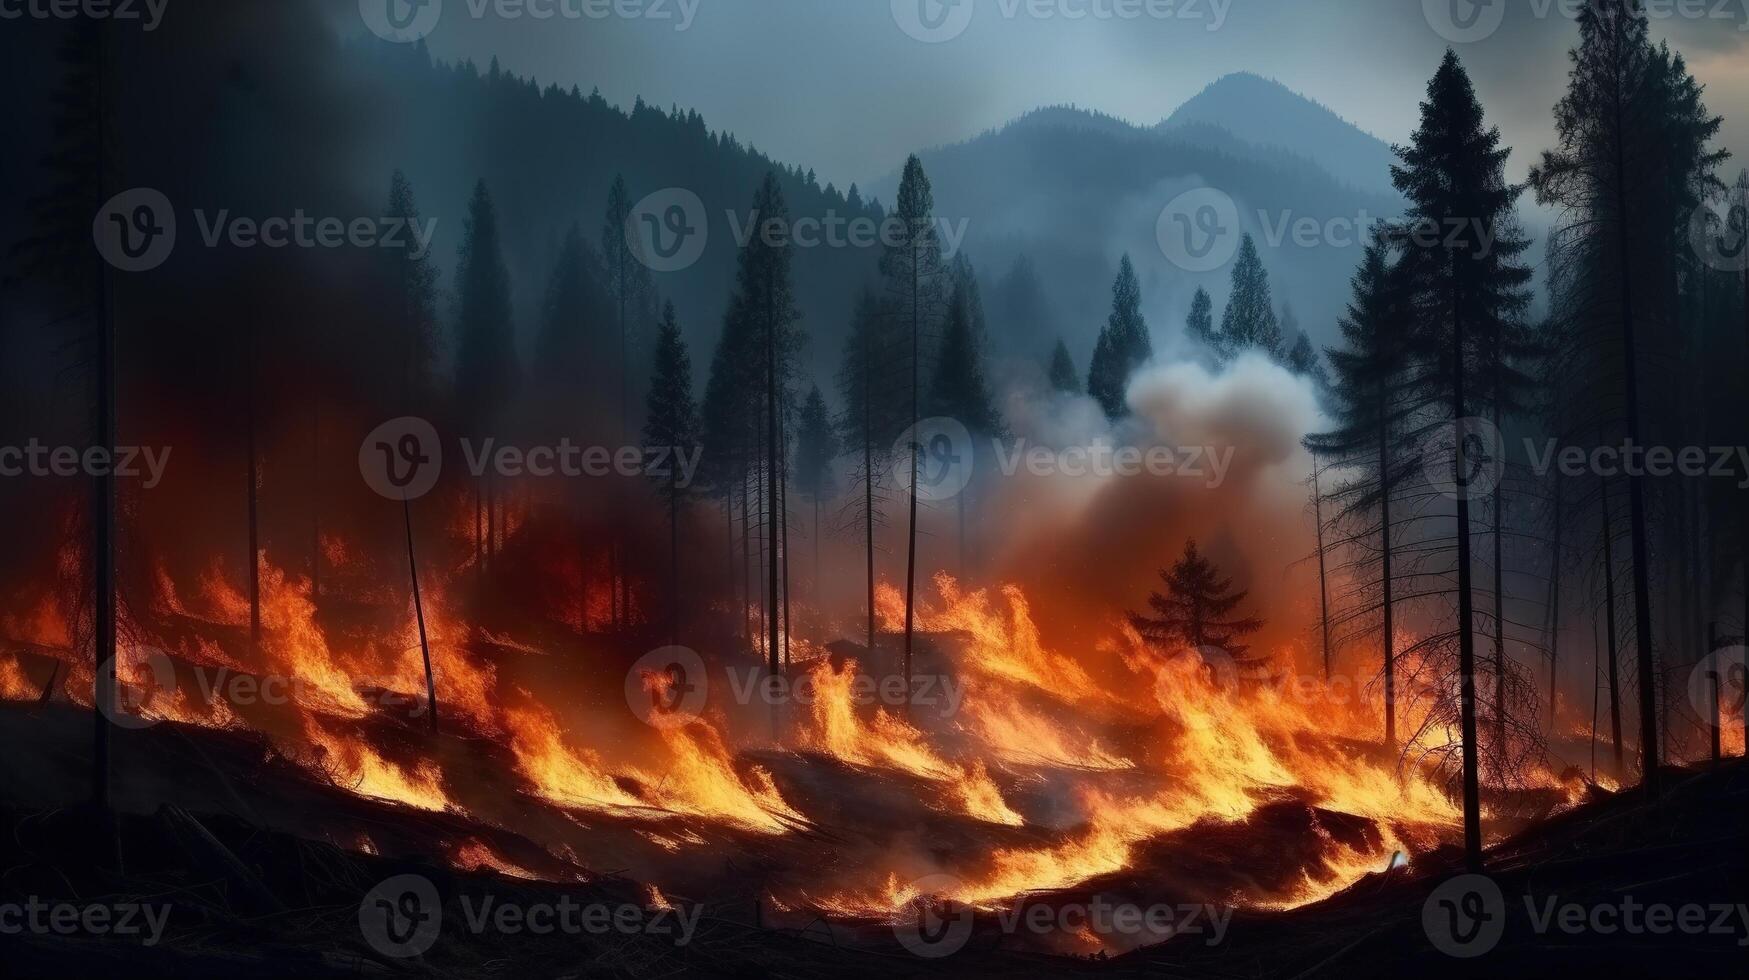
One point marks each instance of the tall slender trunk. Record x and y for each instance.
(1555, 607)
(1466, 609)
(674, 562)
(1743, 521)
(729, 544)
(419, 616)
(103, 484)
(868, 487)
(772, 449)
(1323, 588)
(1636, 485)
(254, 477)
(916, 453)
(1714, 721)
(960, 500)
(1500, 746)
(1609, 623)
(315, 498)
(1390, 637)
(746, 563)
(782, 493)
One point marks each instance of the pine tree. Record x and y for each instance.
(730, 437)
(914, 274)
(628, 283)
(1200, 325)
(629, 286)
(766, 297)
(1629, 167)
(415, 278)
(874, 413)
(1062, 374)
(1369, 401)
(816, 448)
(1460, 252)
(414, 281)
(671, 422)
(1249, 322)
(960, 389)
(1124, 345)
(1196, 612)
(486, 365)
(564, 345)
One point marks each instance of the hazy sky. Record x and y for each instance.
(840, 86)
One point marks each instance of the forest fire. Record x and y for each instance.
(1088, 769)
(1264, 539)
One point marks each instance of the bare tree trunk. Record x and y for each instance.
(1390, 638)
(1466, 625)
(911, 535)
(781, 494)
(1554, 637)
(1636, 484)
(254, 502)
(1500, 745)
(1609, 614)
(419, 616)
(315, 498)
(1323, 588)
(103, 485)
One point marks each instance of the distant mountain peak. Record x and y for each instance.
(1265, 112)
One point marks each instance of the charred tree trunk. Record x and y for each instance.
(916, 460)
(419, 616)
(1609, 623)
(103, 485)
(1323, 588)
(1500, 746)
(772, 450)
(254, 477)
(1390, 638)
(1554, 635)
(1466, 625)
(1636, 484)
